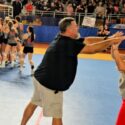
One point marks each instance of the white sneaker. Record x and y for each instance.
(2, 65)
(20, 69)
(12, 64)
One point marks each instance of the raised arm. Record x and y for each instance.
(102, 44)
(90, 40)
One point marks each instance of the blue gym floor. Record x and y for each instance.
(93, 99)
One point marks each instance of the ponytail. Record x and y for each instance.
(31, 30)
(10, 24)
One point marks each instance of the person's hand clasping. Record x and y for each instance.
(117, 34)
(114, 48)
(118, 40)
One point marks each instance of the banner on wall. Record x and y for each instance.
(119, 26)
(89, 21)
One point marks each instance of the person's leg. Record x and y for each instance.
(19, 51)
(30, 55)
(4, 54)
(13, 55)
(121, 115)
(35, 101)
(53, 105)
(28, 113)
(22, 58)
(57, 121)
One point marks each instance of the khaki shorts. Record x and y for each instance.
(51, 103)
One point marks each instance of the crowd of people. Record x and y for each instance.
(109, 11)
(12, 38)
(100, 8)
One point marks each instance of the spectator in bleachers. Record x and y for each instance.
(28, 11)
(103, 31)
(52, 7)
(69, 9)
(81, 8)
(39, 4)
(100, 10)
(71, 6)
(123, 9)
(61, 6)
(17, 7)
(56, 2)
(122, 20)
(24, 2)
(91, 7)
(109, 9)
(29, 8)
(120, 5)
(37, 21)
(116, 8)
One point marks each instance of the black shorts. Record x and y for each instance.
(12, 44)
(1, 39)
(28, 50)
(5, 41)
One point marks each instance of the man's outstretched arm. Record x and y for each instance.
(90, 40)
(91, 48)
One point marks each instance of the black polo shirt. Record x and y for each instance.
(58, 67)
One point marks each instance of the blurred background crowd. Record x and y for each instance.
(101, 9)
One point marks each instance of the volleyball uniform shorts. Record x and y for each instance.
(51, 103)
(28, 50)
(12, 44)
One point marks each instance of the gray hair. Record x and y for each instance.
(64, 23)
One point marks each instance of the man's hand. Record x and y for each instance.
(114, 48)
(118, 40)
(117, 34)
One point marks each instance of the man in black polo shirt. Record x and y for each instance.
(58, 68)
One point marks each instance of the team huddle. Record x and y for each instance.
(12, 38)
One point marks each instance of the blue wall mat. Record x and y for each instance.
(48, 33)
